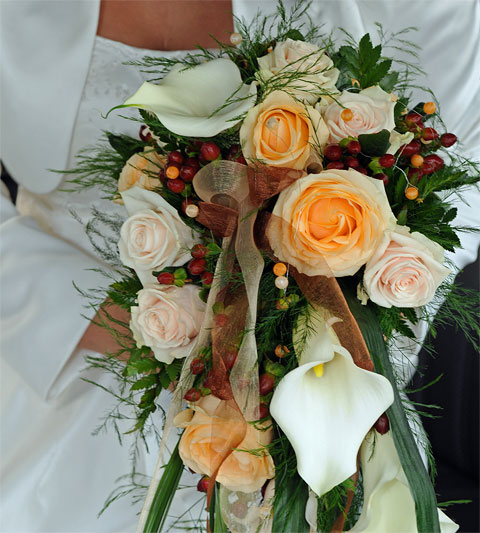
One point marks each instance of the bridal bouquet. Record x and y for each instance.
(286, 216)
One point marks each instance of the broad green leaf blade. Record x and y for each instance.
(417, 475)
(289, 506)
(216, 519)
(164, 494)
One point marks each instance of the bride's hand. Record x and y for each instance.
(101, 340)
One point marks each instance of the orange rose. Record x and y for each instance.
(330, 223)
(141, 170)
(282, 132)
(207, 433)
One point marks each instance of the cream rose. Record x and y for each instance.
(141, 170)
(405, 270)
(281, 132)
(318, 73)
(372, 110)
(207, 432)
(154, 236)
(167, 320)
(330, 223)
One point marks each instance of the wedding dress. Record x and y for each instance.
(55, 475)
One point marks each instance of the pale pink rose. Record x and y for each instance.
(318, 75)
(154, 237)
(405, 270)
(167, 320)
(372, 112)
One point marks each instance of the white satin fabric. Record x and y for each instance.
(57, 78)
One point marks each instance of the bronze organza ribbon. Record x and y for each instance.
(232, 195)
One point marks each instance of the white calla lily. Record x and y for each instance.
(388, 502)
(200, 101)
(326, 406)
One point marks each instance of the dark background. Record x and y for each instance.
(455, 435)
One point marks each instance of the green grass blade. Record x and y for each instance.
(289, 507)
(417, 475)
(164, 494)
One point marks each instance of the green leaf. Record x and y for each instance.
(124, 145)
(415, 471)
(375, 144)
(216, 518)
(289, 507)
(145, 383)
(295, 35)
(164, 494)
(377, 73)
(388, 82)
(173, 369)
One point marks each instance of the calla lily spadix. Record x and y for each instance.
(326, 406)
(200, 101)
(388, 503)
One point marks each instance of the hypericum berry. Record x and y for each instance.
(221, 320)
(175, 157)
(202, 485)
(187, 173)
(351, 162)
(197, 266)
(411, 193)
(429, 134)
(413, 118)
(207, 278)
(381, 176)
(382, 425)
(429, 108)
(281, 304)
(335, 165)
(346, 114)
(386, 160)
(428, 168)
(229, 359)
(414, 173)
(333, 152)
(197, 366)
(264, 412)
(266, 383)
(165, 278)
(281, 351)
(354, 147)
(192, 395)
(362, 170)
(199, 251)
(145, 134)
(448, 139)
(176, 186)
(411, 148)
(416, 160)
(280, 269)
(192, 162)
(434, 159)
(172, 171)
(192, 210)
(209, 151)
(416, 127)
(236, 38)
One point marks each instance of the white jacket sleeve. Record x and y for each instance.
(41, 311)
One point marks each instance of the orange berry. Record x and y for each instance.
(172, 172)
(411, 193)
(347, 115)
(416, 161)
(280, 269)
(281, 351)
(429, 108)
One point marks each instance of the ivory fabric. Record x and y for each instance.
(57, 78)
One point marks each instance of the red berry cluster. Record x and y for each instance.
(196, 267)
(417, 155)
(344, 157)
(179, 172)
